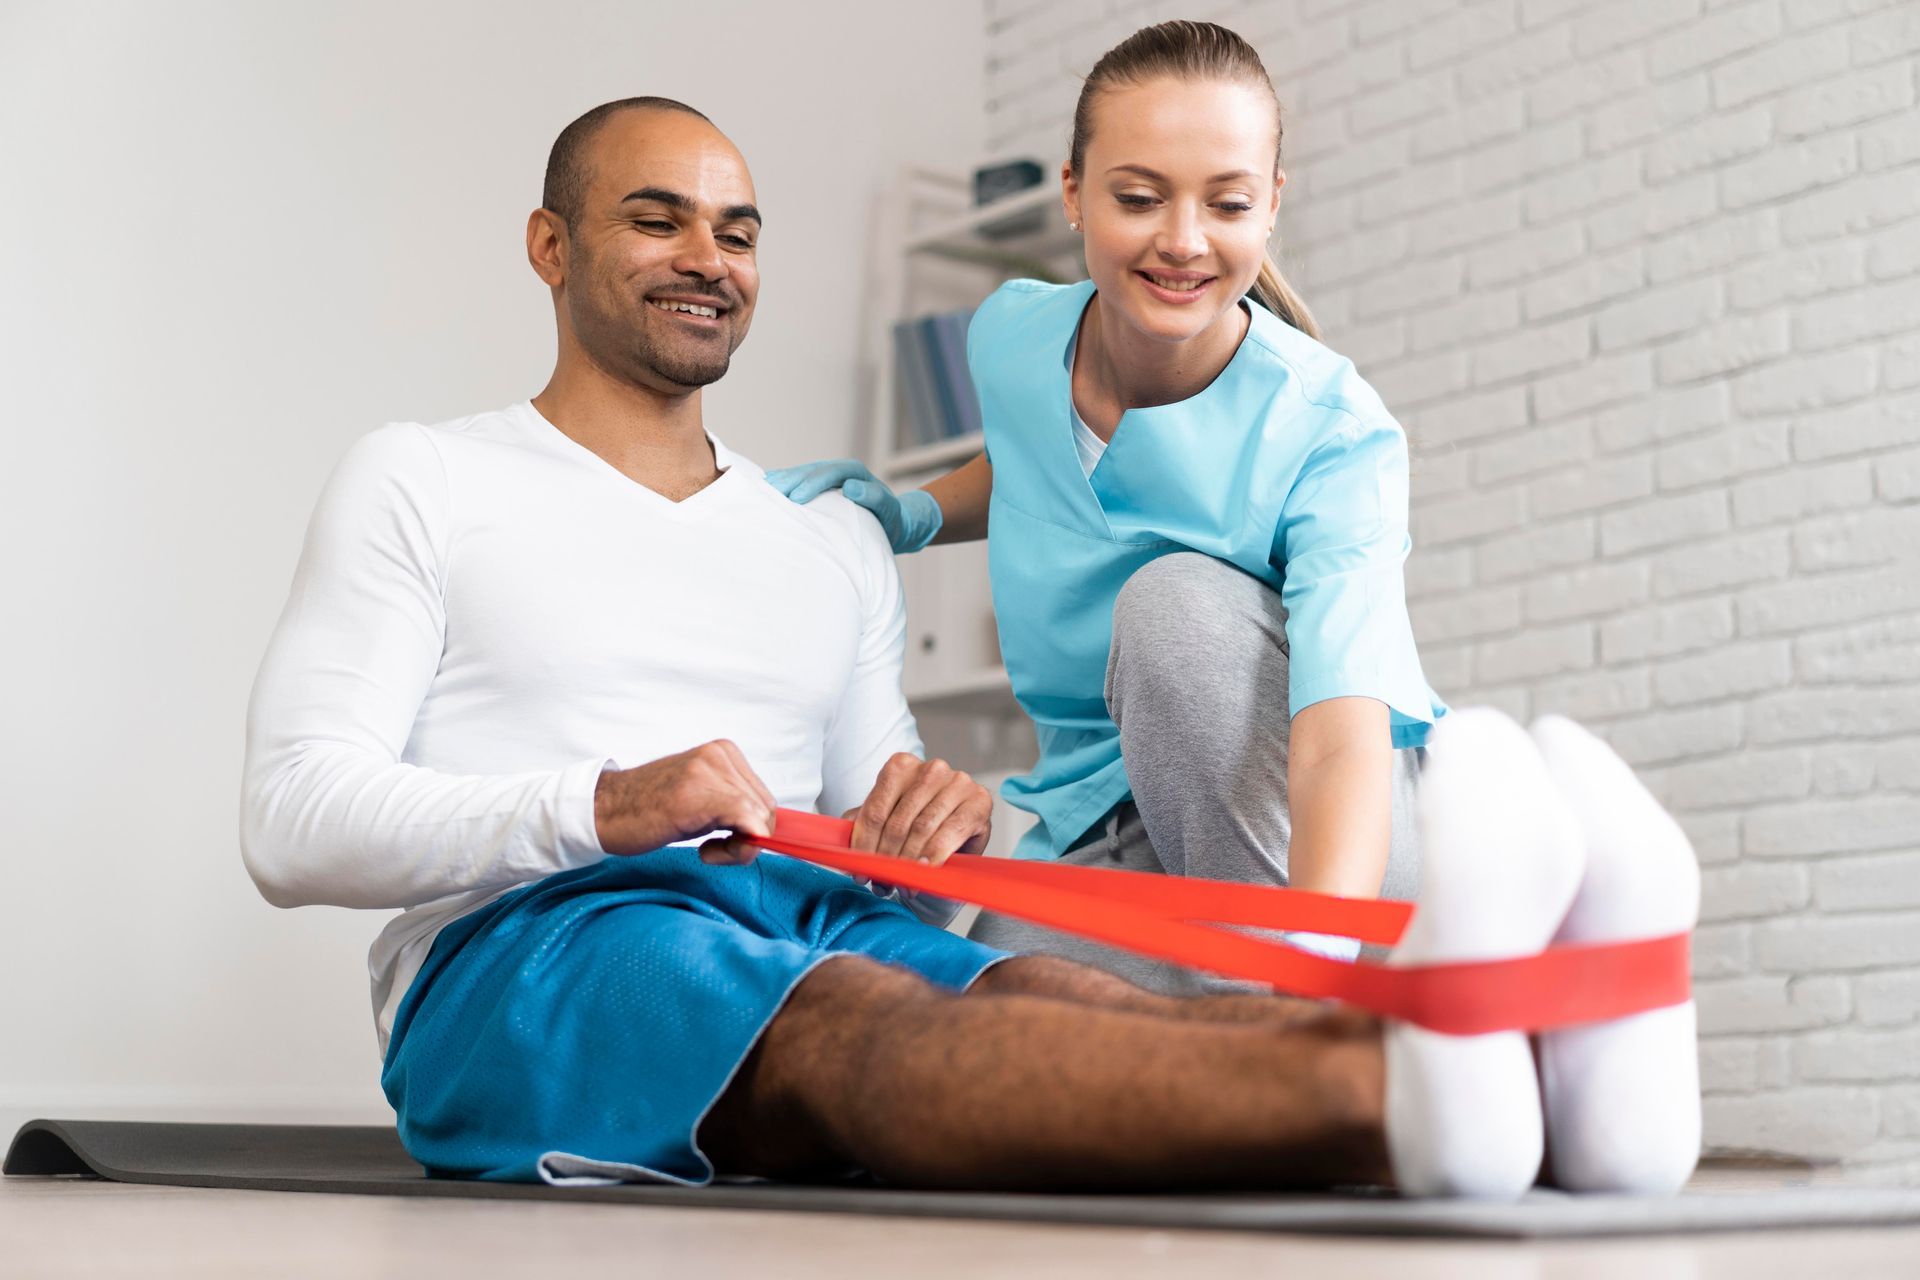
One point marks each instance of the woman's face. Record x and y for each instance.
(1176, 200)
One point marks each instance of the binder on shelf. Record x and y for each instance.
(936, 388)
(951, 638)
(939, 375)
(922, 413)
(927, 664)
(953, 332)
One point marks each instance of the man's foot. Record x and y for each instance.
(1500, 864)
(1622, 1097)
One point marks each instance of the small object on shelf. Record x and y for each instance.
(998, 181)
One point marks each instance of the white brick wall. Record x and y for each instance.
(1642, 278)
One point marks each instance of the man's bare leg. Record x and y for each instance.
(869, 1065)
(1061, 979)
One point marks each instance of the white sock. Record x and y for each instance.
(1500, 861)
(1622, 1097)
(1330, 945)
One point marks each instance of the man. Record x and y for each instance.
(528, 655)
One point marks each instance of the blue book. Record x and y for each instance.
(953, 351)
(942, 389)
(910, 369)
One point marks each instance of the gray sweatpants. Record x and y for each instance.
(1197, 683)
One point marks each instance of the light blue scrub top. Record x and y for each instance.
(1287, 465)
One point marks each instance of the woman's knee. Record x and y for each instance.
(1185, 614)
(1166, 588)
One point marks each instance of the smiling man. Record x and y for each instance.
(534, 658)
(623, 250)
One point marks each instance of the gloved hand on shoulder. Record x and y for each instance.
(910, 519)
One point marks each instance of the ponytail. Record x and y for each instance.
(1272, 291)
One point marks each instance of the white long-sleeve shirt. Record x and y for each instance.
(486, 615)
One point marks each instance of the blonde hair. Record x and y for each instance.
(1185, 50)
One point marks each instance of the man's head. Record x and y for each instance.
(648, 211)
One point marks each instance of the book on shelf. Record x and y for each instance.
(930, 355)
(953, 347)
(922, 413)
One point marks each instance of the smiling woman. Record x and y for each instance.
(1171, 247)
(1198, 516)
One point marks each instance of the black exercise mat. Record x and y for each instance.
(369, 1160)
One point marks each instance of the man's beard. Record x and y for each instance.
(685, 367)
(634, 345)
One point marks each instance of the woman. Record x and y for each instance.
(1198, 518)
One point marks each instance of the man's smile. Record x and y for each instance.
(698, 311)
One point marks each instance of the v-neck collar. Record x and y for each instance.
(1101, 469)
(723, 458)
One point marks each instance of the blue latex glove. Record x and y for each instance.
(910, 519)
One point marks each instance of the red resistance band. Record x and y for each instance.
(1156, 915)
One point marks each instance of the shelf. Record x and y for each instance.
(982, 692)
(953, 680)
(926, 457)
(1035, 253)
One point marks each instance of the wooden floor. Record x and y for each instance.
(57, 1227)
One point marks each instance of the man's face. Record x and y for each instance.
(661, 274)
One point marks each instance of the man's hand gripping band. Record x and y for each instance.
(1159, 915)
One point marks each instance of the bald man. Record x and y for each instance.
(516, 692)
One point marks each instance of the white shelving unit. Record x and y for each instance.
(935, 251)
(960, 236)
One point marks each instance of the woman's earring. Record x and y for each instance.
(1073, 226)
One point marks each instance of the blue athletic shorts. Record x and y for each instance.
(579, 1028)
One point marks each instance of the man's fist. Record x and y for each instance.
(712, 786)
(924, 810)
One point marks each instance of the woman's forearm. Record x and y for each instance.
(1339, 791)
(963, 494)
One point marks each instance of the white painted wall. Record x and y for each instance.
(1642, 278)
(235, 236)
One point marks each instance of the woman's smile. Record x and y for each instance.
(1179, 288)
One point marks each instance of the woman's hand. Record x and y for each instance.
(910, 519)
